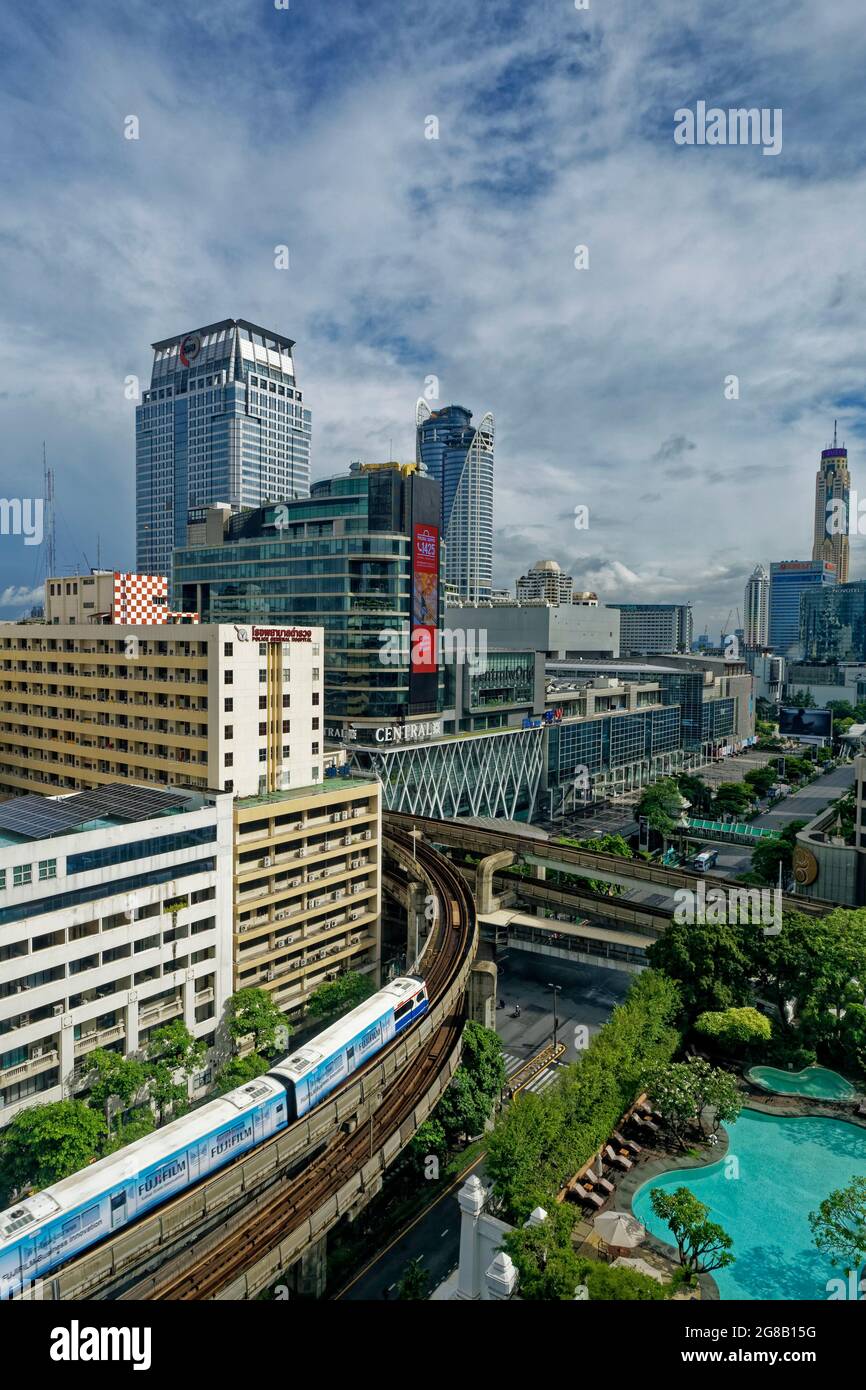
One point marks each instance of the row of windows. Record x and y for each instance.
(22, 874)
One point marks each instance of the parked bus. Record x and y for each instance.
(707, 859)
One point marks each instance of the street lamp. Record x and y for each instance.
(416, 836)
(556, 989)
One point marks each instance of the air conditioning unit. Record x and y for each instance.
(271, 975)
(58, 1009)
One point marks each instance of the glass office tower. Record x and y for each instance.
(460, 458)
(789, 580)
(223, 421)
(361, 559)
(833, 623)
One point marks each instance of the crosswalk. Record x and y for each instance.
(538, 1083)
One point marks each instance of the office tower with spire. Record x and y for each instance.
(757, 609)
(223, 421)
(460, 458)
(832, 486)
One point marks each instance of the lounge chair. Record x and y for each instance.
(598, 1181)
(619, 1159)
(587, 1196)
(629, 1144)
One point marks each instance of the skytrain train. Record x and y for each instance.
(40, 1232)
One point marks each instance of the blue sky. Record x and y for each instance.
(452, 257)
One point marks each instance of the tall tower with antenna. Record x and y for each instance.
(832, 487)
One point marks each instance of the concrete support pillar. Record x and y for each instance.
(471, 1199)
(132, 1022)
(417, 925)
(501, 1278)
(66, 1053)
(484, 896)
(308, 1277)
(482, 993)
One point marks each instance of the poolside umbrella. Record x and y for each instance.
(619, 1230)
(639, 1265)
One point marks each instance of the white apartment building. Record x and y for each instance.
(220, 706)
(116, 914)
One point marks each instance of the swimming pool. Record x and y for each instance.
(786, 1167)
(817, 1082)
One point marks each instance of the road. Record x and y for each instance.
(588, 996)
(808, 801)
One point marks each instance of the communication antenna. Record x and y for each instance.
(48, 503)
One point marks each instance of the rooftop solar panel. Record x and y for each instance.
(38, 817)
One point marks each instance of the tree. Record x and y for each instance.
(839, 1225)
(661, 806)
(140, 1124)
(766, 858)
(429, 1141)
(545, 1258)
(802, 699)
(622, 1285)
(477, 1085)
(702, 1245)
(415, 1283)
(735, 1028)
(695, 790)
(239, 1070)
(340, 995)
(175, 1050)
(45, 1143)
(599, 844)
(253, 1011)
(169, 1095)
(118, 1081)
(684, 1090)
(733, 798)
(709, 961)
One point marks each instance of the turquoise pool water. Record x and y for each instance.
(786, 1168)
(817, 1082)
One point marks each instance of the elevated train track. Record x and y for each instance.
(233, 1234)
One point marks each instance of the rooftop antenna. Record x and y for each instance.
(48, 502)
(834, 434)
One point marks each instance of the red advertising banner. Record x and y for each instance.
(425, 599)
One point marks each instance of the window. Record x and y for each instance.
(229, 760)
(315, 673)
(263, 729)
(263, 675)
(21, 874)
(228, 678)
(315, 749)
(263, 755)
(315, 697)
(230, 786)
(2, 878)
(315, 723)
(228, 649)
(263, 702)
(287, 700)
(287, 752)
(287, 726)
(229, 731)
(47, 869)
(228, 705)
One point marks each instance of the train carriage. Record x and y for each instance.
(40, 1232)
(327, 1060)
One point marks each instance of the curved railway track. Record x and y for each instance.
(218, 1264)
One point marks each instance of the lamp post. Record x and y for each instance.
(556, 989)
(416, 835)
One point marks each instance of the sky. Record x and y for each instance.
(451, 258)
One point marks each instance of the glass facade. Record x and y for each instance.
(833, 623)
(139, 849)
(509, 679)
(789, 580)
(340, 560)
(460, 458)
(223, 421)
(611, 741)
(71, 898)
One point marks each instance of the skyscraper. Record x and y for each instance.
(757, 608)
(223, 421)
(832, 485)
(789, 580)
(460, 458)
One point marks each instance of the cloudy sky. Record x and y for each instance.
(452, 257)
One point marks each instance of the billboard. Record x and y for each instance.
(425, 598)
(814, 723)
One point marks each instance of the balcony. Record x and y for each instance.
(36, 1062)
(98, 1038)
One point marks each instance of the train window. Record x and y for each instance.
(70, 1227)
(419, 999)
(350, 1053)
(402, 1009)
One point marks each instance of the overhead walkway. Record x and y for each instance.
(580, 942)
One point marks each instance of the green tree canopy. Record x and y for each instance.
(340, 995)
(253, 1011)
(45, 1143)
(661, 805)
(737, 1028)
(116, 1081)
(546, 1262)
(839, 1225)
(415, 1283)
(702, 1245)
(239, 1070)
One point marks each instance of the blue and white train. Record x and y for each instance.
(40, 1232)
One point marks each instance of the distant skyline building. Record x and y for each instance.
(545, 580)
(833, 623)
(789, 580)
(648, 628)
(757, 609)
(460, 458)
(223, 421)
(832, 485)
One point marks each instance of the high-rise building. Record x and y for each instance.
(223, 421)
(789, 580)
(359, 558)
(833, 623)
(648, 628)
(460, 458)
(832, 486)
(757, 609)
(546, 580)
